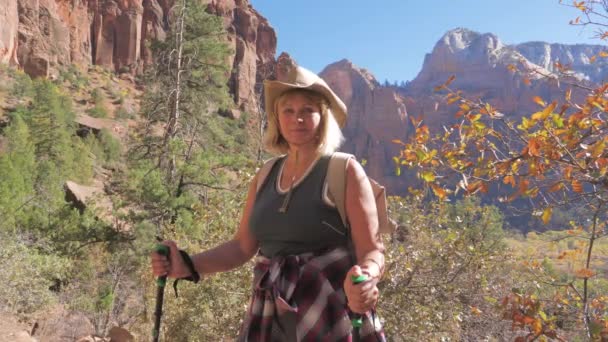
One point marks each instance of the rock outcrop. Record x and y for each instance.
(43, 35)
(8, 32)
(254, 43)
(579, 57)
(376, 116)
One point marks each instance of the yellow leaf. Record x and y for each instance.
(603, 54)
(453, 99)
(598, 149)
(547, 215)
(542, 115)
(428, 176)
(539, 101)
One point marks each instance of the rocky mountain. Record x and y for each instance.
(41, 36)
(577, 56)
(376, 115)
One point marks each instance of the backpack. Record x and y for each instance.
(336, 185)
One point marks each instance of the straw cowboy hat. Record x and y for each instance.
(298, 77)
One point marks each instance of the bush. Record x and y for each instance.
(28, 275)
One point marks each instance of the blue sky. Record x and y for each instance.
(391, 37)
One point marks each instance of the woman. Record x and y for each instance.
(306, 256)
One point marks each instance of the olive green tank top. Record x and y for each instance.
(309, 224)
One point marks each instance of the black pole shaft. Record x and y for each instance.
(160, 295)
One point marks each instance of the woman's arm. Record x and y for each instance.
(363, 218)
(225, 257)
(369, 249)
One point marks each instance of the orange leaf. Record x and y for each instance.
(603, 54)
(509, 180)
(450, 79)
(568, 172)
(577, 186)
(568, 94)
(592, 59)
(523, 186)
(438, 191)
(483, 187)
(556, 187)
(539, 101)
(584, 273)
(580, 5)
(533, 147)
(526, 81)
(537, 326)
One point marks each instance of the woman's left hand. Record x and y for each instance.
(361, 297)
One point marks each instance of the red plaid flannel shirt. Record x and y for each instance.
(300, 298)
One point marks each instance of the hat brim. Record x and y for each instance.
(274, 89)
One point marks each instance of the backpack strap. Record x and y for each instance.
(336, 186)
(264, 171)
(336, 182)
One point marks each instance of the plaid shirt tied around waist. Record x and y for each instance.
(300, 298)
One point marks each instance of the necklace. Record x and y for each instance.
(285, 205)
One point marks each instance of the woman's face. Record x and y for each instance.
(299, 119)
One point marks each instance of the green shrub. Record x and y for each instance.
(28, 275)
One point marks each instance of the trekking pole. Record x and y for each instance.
(357, 320)
(160, 294)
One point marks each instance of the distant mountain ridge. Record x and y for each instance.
(480, 63)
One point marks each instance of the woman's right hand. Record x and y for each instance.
(173, 266)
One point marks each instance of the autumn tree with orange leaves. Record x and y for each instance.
(555, 158)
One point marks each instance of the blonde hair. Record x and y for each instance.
(330, 134)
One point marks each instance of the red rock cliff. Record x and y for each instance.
(43, 35)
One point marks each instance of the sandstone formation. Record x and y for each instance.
(254, 43)
(44, 35)
(376, 116)
(8, 32)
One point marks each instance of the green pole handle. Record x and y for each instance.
(357, 321)
(162, 250)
